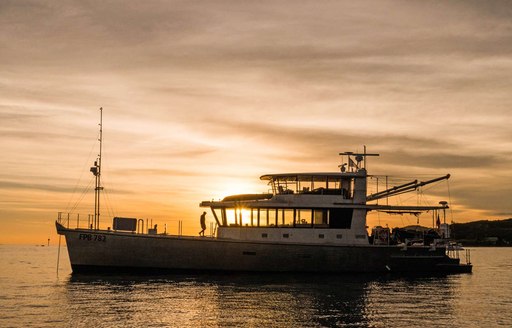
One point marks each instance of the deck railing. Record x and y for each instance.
(453, 250)
(144, 226)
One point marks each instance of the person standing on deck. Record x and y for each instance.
(203, 224)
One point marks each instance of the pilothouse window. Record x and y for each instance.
(334, 218)
(340, 218)
(320, 217)
(238, 217)
(230, 217)
(286, 217)
(304, 217)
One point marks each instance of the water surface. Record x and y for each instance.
(33, 295)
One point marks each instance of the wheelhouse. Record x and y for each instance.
(242, 216)
(305, 200)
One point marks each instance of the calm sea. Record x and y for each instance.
(33, 295)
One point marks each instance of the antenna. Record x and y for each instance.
(359, 157)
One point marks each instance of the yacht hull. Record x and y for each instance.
(96, 251)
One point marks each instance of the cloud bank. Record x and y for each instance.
(197, 94)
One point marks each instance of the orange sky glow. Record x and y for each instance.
(201, 98)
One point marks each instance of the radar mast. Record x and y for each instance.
(96, 171)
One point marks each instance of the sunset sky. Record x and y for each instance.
(201, 98)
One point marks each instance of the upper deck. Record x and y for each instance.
(318, 183)
(313, 207)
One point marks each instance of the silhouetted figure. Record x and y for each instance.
(203, 224)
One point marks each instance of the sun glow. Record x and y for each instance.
(235, 187)
(238, 216)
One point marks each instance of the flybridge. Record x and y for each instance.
(323, 183)
(319, 183)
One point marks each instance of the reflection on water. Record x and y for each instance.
(31, 295)
(260, 300)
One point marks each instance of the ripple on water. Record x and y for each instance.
(32, 295)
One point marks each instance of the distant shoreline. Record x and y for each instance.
(483, 233)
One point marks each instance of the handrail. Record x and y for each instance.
(68, 220)
(468, 256)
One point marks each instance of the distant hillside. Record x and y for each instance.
(483, 233)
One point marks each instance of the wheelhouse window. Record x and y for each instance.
(273, 217)
(334, 218)
(303, 218)
(340, 218)
(238, 217)
(230, 217)
(263, 214)
(286, 217)
(320, 218)
(217, 212)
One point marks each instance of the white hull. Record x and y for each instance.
(103, 251)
